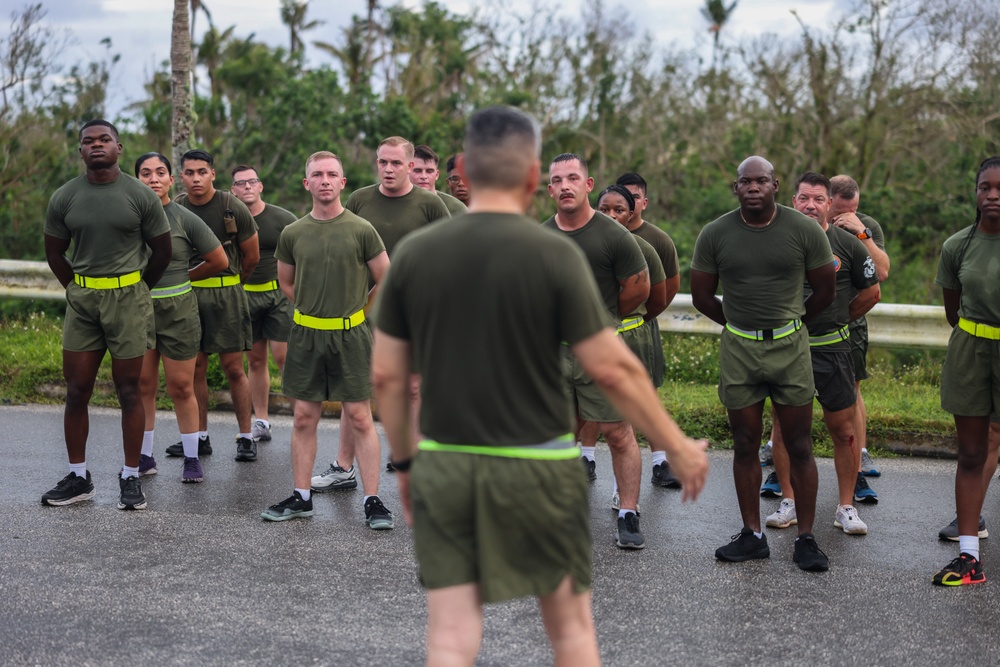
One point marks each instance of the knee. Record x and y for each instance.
(971, 460)
(234, 371)
(179, 390)
(78, 396)
(619, 436)
(128, 395)
(359, 417)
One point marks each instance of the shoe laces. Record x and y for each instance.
(631, 520)
(190, 464)
(862, 483)
(374, 505)
(131, 485)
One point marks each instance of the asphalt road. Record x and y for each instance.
(200, 579)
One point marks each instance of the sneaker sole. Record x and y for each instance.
(151, 471)
(983, 534)
(138, 506)
(778, 524)
(769, 493)
(198, 480)
(812, 567)
(673, 484)
(380, 524)
(245, 458)
(286, 517)
(629, 545)
(262, 438)
(852, 531)
(335, 487)
(762, 553)
(202, 451)
(867, 500)
(69, 501)
(871, 473)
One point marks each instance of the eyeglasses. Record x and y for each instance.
(454, 179)
(249, 181)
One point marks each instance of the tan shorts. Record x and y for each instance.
(270, 315)
(328, 365)
(752, 370)
(225, 319)
(516, 527)
(178, 328)
(118, 320)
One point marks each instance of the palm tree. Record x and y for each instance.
(717, 14)
(293, 14)
(182, 121)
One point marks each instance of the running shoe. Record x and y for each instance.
(590, 466)
(784, 516)
(70, 489)
(333, 478)
(766, 455)
(963, 570)
(663, 477)
(204, 448)
(629, 536)
(377, 516)
(808, 556)
(131, 497)
(193, 473)
(771, 488)
(868, 466)
(744, 545)
(289, 508)
(950, 532)
(260, 431)
(864, 493)
(616, 503)
(246, 449)
(147, 465)
(847, 518)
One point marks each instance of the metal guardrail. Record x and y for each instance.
(889, 324)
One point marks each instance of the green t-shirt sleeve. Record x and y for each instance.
(436, 210)
(671, 265)
(371, 242)
(863, 273)
(154, 221)
(628, 259)
(389, 314)
(878, 236)
(656, 272)
(948, 265)
(704, 258)
(202, 238)
(817, 247)
(283, 251)
(246, 226)
(55, 221)
(582, 312)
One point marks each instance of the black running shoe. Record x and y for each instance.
(663, 477)
(289, 508)
(131, 498)
(70, 489)
(589, 467)
(744, 545)
(204, 448)
(246, 449)
(629, 535)
(377, 516)
(808, 555)
(963, 570)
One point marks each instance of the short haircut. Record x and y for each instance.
(844, 186)
(813, 178)
(398, 141)
(198, 154)
(450, 164)
(99, 122)
(244, 167)
(324, 155)
(569, 157)
(426, 153)
(618, 189)
(632, 178)
(501, 144)
(145, 156)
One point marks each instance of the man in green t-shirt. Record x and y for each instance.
(832, 365)
(623, 281)
(121, 246)
(425, 174)
(844, 214)
(324, 260)
(270, 310)
(222, 303)
(495, 496)
(457, 186)
(763, 253)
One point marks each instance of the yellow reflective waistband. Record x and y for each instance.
(766, 334)
(840, 334)
(630, 323)
(979, 330)
(173, 290)
(107, 283)
(261, 287)
(217, 281)
(557, 449)
(328, 323)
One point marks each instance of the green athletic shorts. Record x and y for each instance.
(270, 315)
(328, 365)
(859, 348)
(516, 527)
(833, 374)
(589, 401)
(225, 319)
(752, 370)
(118, 320)
(178, 328)
(640, 341)
(970, 377)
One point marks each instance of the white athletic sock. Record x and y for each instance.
(147, 443)
(622, 512)
(266, 423)
(759, 535)
(365, 499)
(79, 469)
(659, 457)
(130, 472)
(864, 450)
(770, 445)
(969, 544)
(203, 435)
(588, 452)
(616, 484)
(245, 435)
(305, 493)
(189, 441)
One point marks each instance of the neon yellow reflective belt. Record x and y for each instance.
(261, 287)
(979, 330)
(107, 283)
(766, 334)
(217, 281)
(830, 338)
(631, 323)
(557, 449)
(328, 323)
(167, 292)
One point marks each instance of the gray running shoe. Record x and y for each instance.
(333, 478)
(290, 508)
(629, 536)
(784, 516)
(132, 497)
(868, 466)
(246, 449)
(950, 532)
(765, 455)
(260, 432)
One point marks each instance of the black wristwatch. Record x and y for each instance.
(866, 234)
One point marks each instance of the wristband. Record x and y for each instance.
(402, 466)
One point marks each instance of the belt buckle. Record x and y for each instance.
(767, 334)
(347, 323)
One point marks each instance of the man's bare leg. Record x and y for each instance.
(454, 625)
(569, 624)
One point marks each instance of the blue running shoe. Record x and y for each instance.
(771, 488)
(864, 493)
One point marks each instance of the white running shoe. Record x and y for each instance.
(848, 519)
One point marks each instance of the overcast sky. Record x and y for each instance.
(140, 29)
